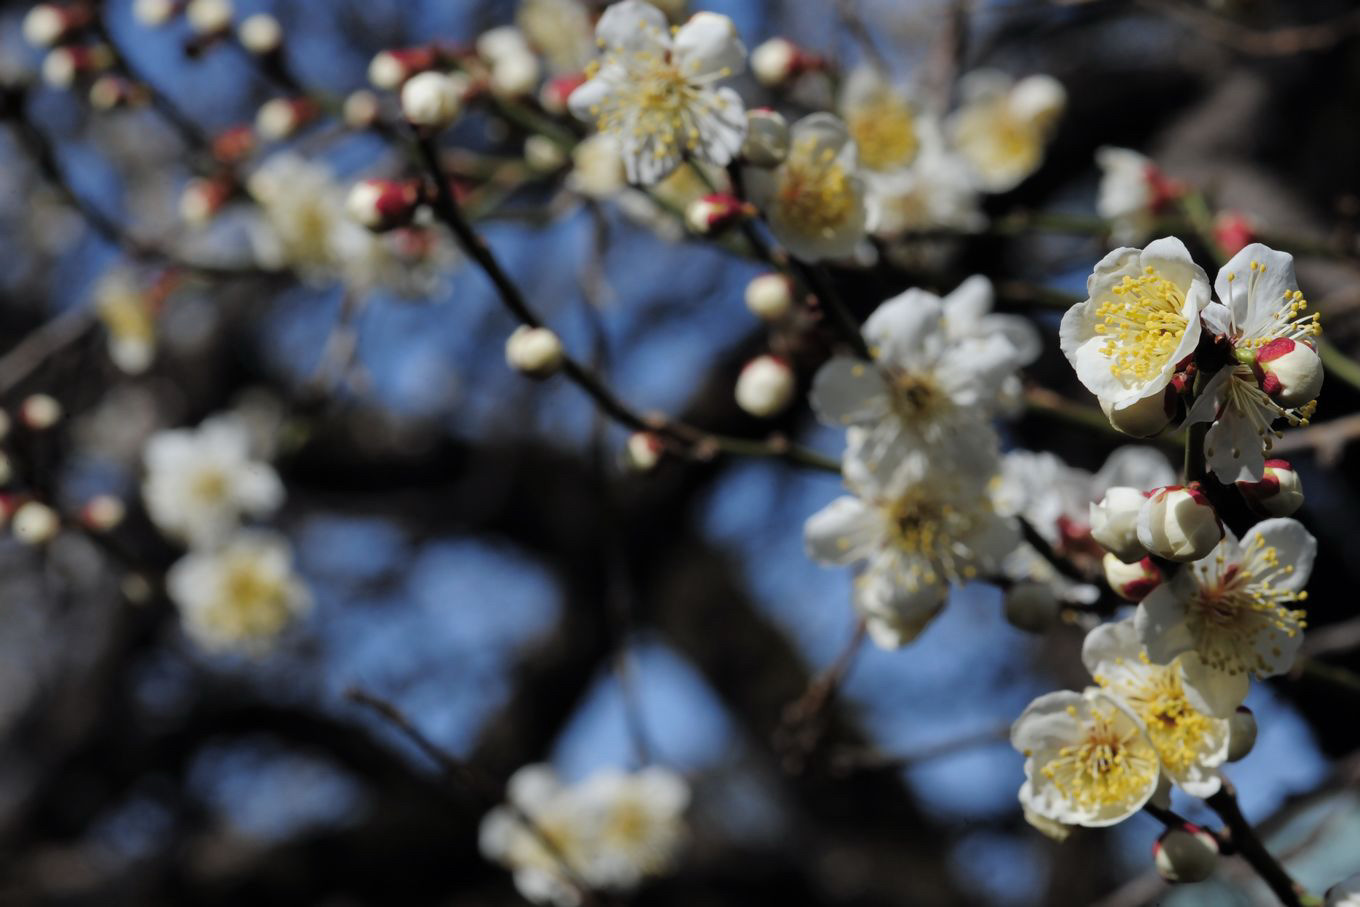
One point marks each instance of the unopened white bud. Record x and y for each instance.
(775, 61)
(500, 42)
(389, 69)
(1131, 582)
(534, 351)
(103, 512)
(644, 450)
(1292, 371)
(769, 296)
(109, 91)
(361, 109)
(713, 213)
(1146, 418)
(260, 34)
(63, 65)
(281, 118)
(1114, 523)
(1278, 493)
(1185, 854)
(1038, 99)
(515, 75)
(154, 12)
(765, 386)
(767, 138)
(209, 17)
(45, 25)
(201, 199)
(1179, 524)
(1031, 607)
(35, 523)
(433, 99)
(542, 154)
(1241, 733)
(382, 204)
(39, 412)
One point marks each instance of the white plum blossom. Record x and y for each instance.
(560, 31)
(1232, 615)
(1261, 314)
(881, 119)
(814, 200)
(201, 482)
(129, 315)
(1088, 760)
(934, 529)
(1190, 744)
(1133, 191)
(657, 92)
(1140, 321)
(240, 596)
(935, 192)
(925, 394)
(1002, 125)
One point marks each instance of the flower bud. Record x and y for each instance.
(554, 93)
(1233, 232)
(35, 523)
(1241, 733)
(154, 12)
(64, 65)
(102, 513)
(1179, 524)
(1185, 854)
(209, 17)
(1037, 99)
(767, 138)
(1131, 582)
(47, 25)
(202, 198)
(765, 386)
(109, 92)
(534, 351)
(361, 109)
(281, 118)
(433, 99)
(390, 69)
(1147, 418)
(644, 450)
(769, 296)
(381, 205)
(1292, 371)
(515, 75)
(1278, 493)
(1114, 523)
(234, 145)
(714, 213)
(260, 34)
(39, 412)
(776, 61)
(1031, 607)
(542, 154)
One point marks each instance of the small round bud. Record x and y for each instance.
(713, 213)
(534, 351)
(281, 118)
(361, 109)
(644, 450)
(766, 386)
(154, 12)
(769, 296)
(381, 204)
(1233, 232)
(1114, 523)
(433, 99)
(102, 513)
(234, 145)
(515, 75)
(64, 65)
(767, 138)
(1179, 524)
(1031, 607)
(775, 61)
(1241, 733)
(39, 412)
(1147, 418)
(1037, 99)
(542, 154)
(47, 25)
(1291, 371)
(209, 17)
(109, 92)
(1345, 893)
(1131, 582)
(35, 523)
(555, 92)
(390, 69)
(1186, 854)
(202, 198)
(260, 34)
(1279, 493)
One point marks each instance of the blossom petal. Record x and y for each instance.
(907, 331)
(894, 613)
(708, 45)
(722, 127)
(1135, 466)
(1107, 645)
(1233, 448)
(844, 531)
(1160, 620)
(590, 96)
(1253, 295)
(847, 391)
(1047, 723)
(1294, 546)
(827, 133)
(631, 27)
(1212, 690)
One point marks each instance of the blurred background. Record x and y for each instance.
(481, 557)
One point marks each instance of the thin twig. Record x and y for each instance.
(803, 721)
(1250, 848)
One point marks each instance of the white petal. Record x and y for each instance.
(590, 96)
(631, 27)
(826, 131)
(1254, 297)
(1210, 399)
(1293, 544)
(1046, 723)
(969, 302)
(1212, 691)
(907, 330)
(1108, 644)
(1216, 318)
(1160, 620)
(1233, 449)
(847, 391)
(722, 127)
(895, 614)
(1135, 466)
(708, 44)
(845, 531)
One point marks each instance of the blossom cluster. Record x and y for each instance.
(607, 833)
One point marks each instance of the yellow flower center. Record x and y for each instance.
(917, 397)
(1110, 766)
(1142, 325)
(1176, 729)
(210, 486)
(815, 195)
(253, 604)
(936, 532)
(885, 131)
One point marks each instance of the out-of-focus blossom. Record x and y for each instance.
(1003, 125)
